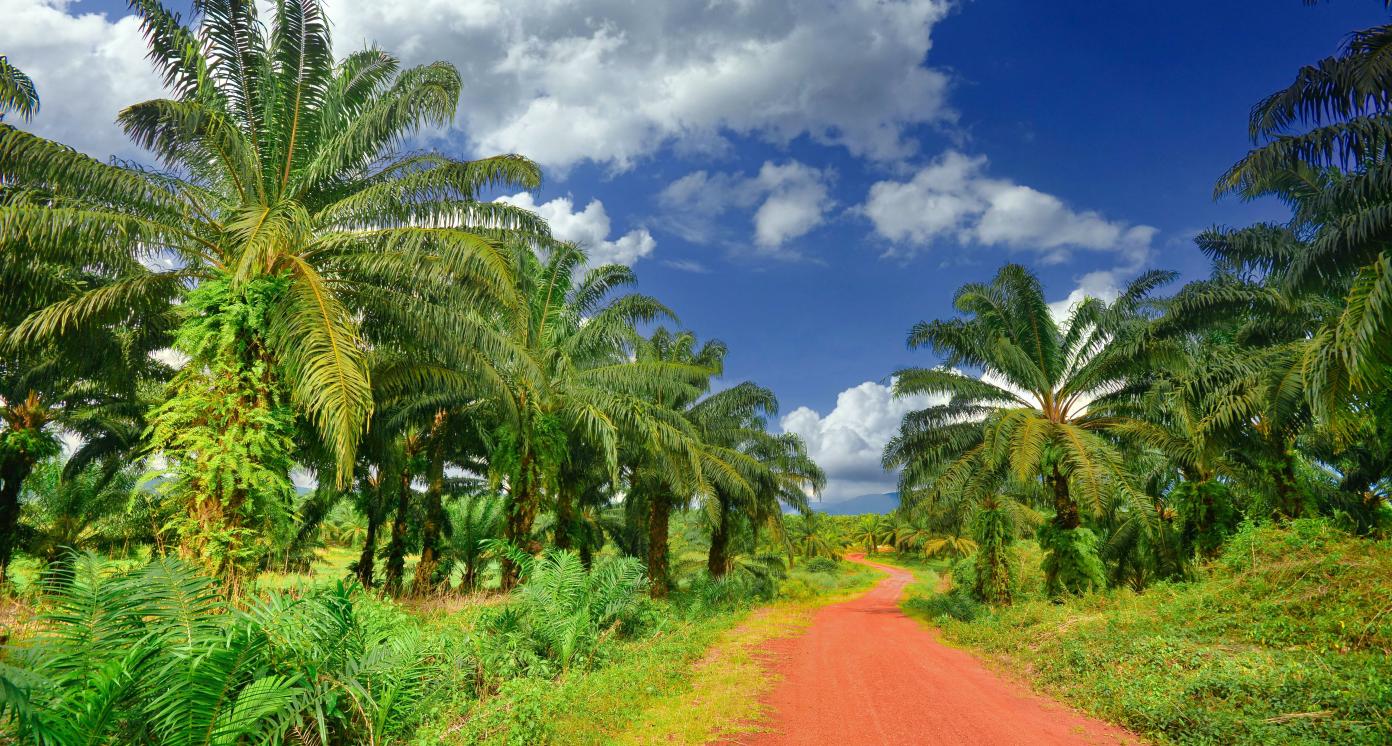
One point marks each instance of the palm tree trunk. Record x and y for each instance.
(369, 550)
(565, 520)
(659, 520)
(433, 525)
(396, 550)
(1065, 510)
(520, 517)
(14, 469)
(1287, 491)
(718, 561)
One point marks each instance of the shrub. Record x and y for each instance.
(563, 613)
(1072, 563)
(157, 656)
(822, 565)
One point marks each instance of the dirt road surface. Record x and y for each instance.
(864, 673)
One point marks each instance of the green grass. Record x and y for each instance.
(1286, 639)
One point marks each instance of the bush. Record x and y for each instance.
(1283, 639)
(562, 614)
(822, 565)
(1072, 563)
(157, 656)
(953, 605)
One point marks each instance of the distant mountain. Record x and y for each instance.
(880, 503)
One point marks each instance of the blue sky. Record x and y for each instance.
(804, 180)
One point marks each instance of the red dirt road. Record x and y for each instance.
(864, 673)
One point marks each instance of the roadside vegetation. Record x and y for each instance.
(1284, 638)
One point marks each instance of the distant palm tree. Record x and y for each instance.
(871, 531)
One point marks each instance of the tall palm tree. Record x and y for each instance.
(661, 480)
(17, 92)
(574, 379)
(783, 475)
(1323, 144)
(1027, 413)
(307, 235)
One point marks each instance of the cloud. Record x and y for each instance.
(589, 228)
(787, 201)
(849, 440)
(86, 68)
(952, 199)
(1102, 284)
(687, 265)
(611, 81)
(608, 81)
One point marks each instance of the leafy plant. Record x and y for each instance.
(156, 655)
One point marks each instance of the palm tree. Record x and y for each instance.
(661, 480)
(1028, 411)
(870, 532)
(306, 236)
(17, 92)
(475, 519)
(1322, 145)
(573, 379)
(80, 509)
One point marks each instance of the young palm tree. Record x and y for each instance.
(79, 509)
(307, 236)
(1028, 412)
(17, 92)
(476, 520)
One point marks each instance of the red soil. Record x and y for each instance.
(864, 673)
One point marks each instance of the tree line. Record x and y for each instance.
(295, 286)
(1131, 436)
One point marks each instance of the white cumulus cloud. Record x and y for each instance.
(787, 201)
(606, 81)
(86, 67)
(610, 81)
(848, 441)
(953, 199)
(588, 227)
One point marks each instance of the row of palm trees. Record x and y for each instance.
(1148, 427)
(294, 287)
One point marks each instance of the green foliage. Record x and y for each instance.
(1208, 514)
(1282, 640)
(1072, 564)
(227, 430)
(17, 93)
(563, 613)
(993, 564)
(156, 656)
(821, 565)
